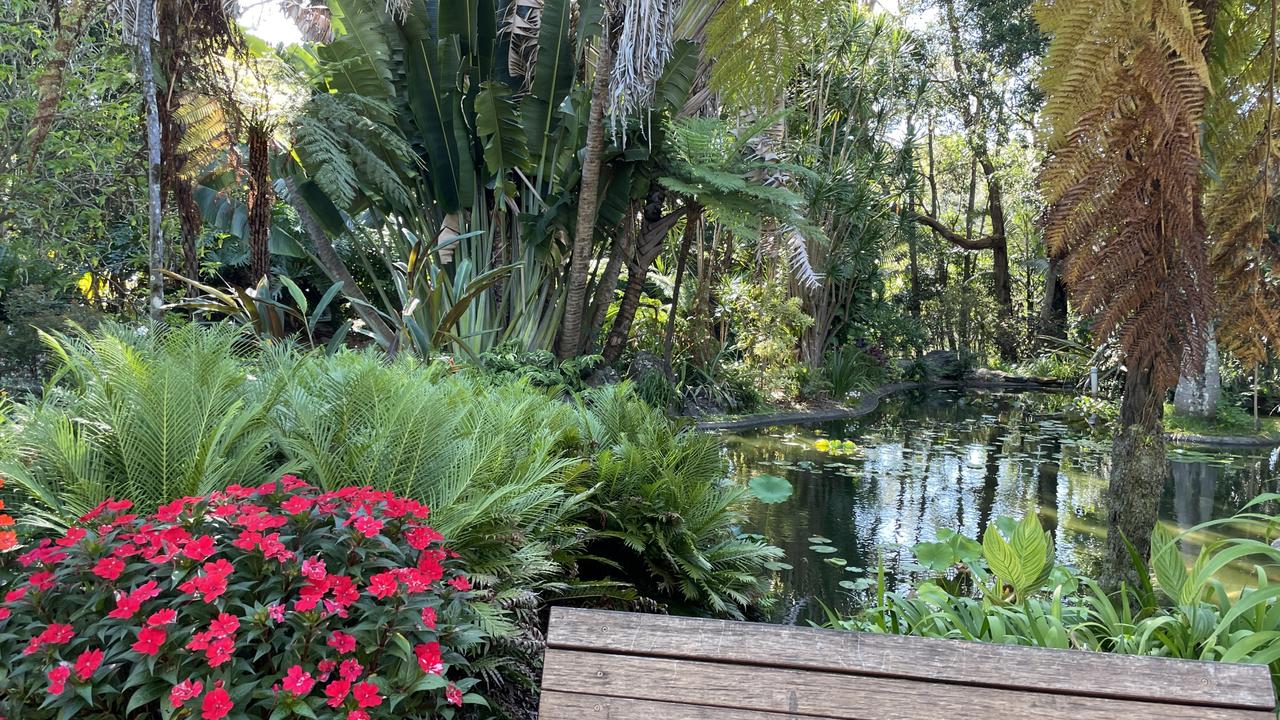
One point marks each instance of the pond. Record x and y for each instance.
(867, 489)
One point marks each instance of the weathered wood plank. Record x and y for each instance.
(576, 706)
(832, 695)
(952, 661)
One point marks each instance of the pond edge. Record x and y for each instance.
(871, 400)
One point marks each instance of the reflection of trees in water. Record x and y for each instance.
(958, 462)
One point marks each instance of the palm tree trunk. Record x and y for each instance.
(155, 238)
(189, 218)
(588, 200)
(259, 205)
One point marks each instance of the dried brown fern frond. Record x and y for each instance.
(1126, 82)
(1241, 204)
(67, 26)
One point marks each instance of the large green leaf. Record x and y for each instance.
(360, 55)
(672, 89)
(498, 124)
(1166, 561)
(552, 77)
(431, 95)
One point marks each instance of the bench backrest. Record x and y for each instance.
(628, 666)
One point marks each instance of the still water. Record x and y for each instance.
(867, 489)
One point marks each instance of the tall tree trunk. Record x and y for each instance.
(588, 200)
(690, 229)
(155, 236)
(1053, 308)
(189, 218)
(1138, 473)
(336, 269)
(648, 246)
(260, 199)
(1200, 384)
(608, 283)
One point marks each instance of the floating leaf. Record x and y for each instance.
(837, 561)
(819, 540)
(770, 489)
(822, 549)
(774, 565)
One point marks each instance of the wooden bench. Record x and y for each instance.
(626, 666)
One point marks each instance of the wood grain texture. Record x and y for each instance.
(1093, 674)
(747, 689)
(575, 706)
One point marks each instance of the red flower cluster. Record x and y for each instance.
(8, 538)
(324, 577)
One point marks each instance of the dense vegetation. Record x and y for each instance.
(478, 252)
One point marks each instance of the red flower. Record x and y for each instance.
(57, 634)
(453, 695)
(460, 583)
(429, 617)
(220, 650)
(149, 640)
(297, 505)
(429, 658)
(184, 691)
(420, 537)
(366, 694)
(350, 669)
(357, 715)
(216, 705)
(108, 568)
(8, 539)
(342, 642)
(5, 613)
(313, 569)
(73, 536)
(58, 679)
(42, 580)
(336, 691)
(87, 664)
(15, 595)
(276, 612)
(162, 617)
(368, 526)
(224, 625)
(298, 681)
(383, 584)
(199, 549)
(211, 582)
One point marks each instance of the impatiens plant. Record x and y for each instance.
(8, 538)
(264, 602)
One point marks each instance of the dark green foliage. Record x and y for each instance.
(509, 362)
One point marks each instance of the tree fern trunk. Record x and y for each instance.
(259, 204)
(1138, 473)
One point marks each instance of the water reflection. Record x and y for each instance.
(954, 460)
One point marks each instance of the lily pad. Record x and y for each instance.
(770, 489)
(819, 540)
(859, 584)
(837, 561)
(774, 565)
(824, 549)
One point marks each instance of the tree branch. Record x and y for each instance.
(986, 242)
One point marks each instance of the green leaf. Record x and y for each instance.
(824, 549)
(1166, 562)
(498, 124)
(552, 78)
(770, 489)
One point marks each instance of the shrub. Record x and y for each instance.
(852, 367)
(1008, 589)
(266, 601)
(510, 361)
